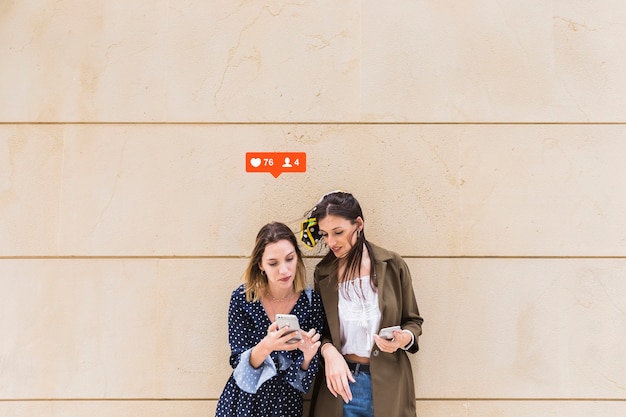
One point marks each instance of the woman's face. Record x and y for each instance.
(339, 233)
(279, 261)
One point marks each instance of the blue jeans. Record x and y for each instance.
(361, 404)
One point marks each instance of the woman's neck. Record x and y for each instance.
(363, 269)
(279, 294)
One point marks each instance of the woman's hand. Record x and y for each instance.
(400, 340)
(308, 345)
(276, 339)
(337, 373)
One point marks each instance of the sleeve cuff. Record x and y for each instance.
(250, 379)
(407, 347)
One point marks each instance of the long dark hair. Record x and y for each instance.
(256, 282)
(344, 205)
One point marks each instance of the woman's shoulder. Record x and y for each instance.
(311, 294)
(396, 265)
(314, 294)
(239, 291)
(240, 303)
(239, 294)
(324, 266)
(381, 254)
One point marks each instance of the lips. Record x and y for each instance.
(337, 251)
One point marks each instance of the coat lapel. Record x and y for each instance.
(381, 268)
(330, 297)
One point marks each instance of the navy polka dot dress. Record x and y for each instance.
(274, 389)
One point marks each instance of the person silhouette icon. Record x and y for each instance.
(287, 163)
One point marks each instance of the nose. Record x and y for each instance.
(283, 268)
(329, 241)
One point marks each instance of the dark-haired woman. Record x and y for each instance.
(271, 374)
(364, 288)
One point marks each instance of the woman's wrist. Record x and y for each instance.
(305, 363)
(263, 349)
(324, 348)
(410, 341)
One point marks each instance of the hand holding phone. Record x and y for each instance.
(294, 326)
(387, 332)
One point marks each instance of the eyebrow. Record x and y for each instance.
(290, 253)
(332, 230)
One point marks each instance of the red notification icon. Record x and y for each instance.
(275, 162)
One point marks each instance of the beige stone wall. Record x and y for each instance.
(485, 141)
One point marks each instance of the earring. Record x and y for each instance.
(262, 272)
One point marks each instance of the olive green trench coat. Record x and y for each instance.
(392, 377)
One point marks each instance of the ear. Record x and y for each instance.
(360, 222)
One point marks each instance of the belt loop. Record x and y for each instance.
(356, 369)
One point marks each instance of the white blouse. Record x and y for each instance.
(359, 316)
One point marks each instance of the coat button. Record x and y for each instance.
(375, 352)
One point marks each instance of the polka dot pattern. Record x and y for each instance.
(283, 382)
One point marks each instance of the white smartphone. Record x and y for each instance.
(294, 326)
(387, 332)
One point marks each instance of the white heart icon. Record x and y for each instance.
(255, 162)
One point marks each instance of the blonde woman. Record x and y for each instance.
(271, 370)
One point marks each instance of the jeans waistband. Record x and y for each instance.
(358, 367)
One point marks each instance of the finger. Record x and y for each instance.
(348, 374)
(306, 336)
(388, 346)
(309, 342)
(273, 326)
(341, 389)
(282, 331)
(329, 384)
(345, 397)
(347, 394)
(286, 341)
(380, 341)
(290, 346)
(351, 378)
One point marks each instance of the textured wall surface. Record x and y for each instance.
(485, 141)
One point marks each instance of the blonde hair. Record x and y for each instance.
(255, 280)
